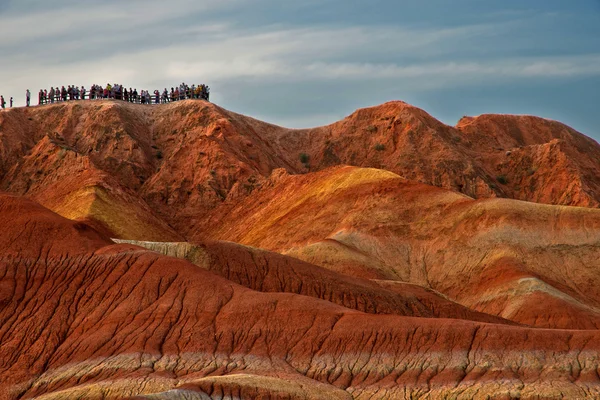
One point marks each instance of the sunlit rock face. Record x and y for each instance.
(183, 251)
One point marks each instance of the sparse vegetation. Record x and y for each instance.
(531, 171)
(371, 128)
(379, 147)
(502, 179)
(213, 172)
(304, 158)
(159, 155)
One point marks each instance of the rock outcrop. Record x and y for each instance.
(504, 257)
(86, 319)
(175, 163)
(385, 256)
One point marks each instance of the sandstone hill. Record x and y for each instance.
(531, 263)
(149, 173)
(185, 251)
(84, 318)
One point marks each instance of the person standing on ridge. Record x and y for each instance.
(11, 101)
(2, 102)
(27, 98)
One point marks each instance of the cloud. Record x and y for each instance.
(245, 49)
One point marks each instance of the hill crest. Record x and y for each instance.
(179, 161)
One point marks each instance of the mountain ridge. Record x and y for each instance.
(147, 152)
(249, 260)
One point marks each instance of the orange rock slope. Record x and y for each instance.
(163, 168)
(252, 261)
(82, 318)
(503, 257)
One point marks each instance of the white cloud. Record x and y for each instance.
(151, 44)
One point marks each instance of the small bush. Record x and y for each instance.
(502, 179)
(531, 171)
(159, 155)
(379, 147)
(213, 172)
(371, 128)
(304, 158)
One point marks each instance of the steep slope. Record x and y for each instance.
(521, 157)
(396, 137)
(67, 182)
(96, 321)
(27, 227)
(271, 272)
(536, 159)
(172, 162)
(175, 163)
(496, 256)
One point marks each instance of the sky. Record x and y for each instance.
(305, 63)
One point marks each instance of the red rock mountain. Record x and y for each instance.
(161, 168)
(386, 256)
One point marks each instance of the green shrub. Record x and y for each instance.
(304, 158)
(379, 147)
(371, 128)
(502, 179)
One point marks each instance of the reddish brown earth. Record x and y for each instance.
(503, 257)
(82, 318)
(415, 273)
(272, 272)
(163, 168)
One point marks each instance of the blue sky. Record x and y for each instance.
(307, 63)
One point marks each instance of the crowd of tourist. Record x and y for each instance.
(117, 92)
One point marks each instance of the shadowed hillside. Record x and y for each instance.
(185, 251)
(177, 162)
(82, 318)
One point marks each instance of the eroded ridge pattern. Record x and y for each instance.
(188, 252)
